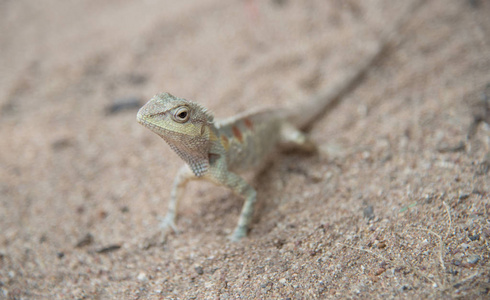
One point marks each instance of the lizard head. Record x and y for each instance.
(183, 124)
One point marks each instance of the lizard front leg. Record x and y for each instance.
(220, 174)
(184, 175)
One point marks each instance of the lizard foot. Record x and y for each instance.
(238, 234)
(168, 222)
(156, 240)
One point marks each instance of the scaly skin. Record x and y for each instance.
(214, 151)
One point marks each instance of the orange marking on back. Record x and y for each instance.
(248, 123)
(225, 142)
(237, 133)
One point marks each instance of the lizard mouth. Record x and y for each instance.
(143, 121)
(149, 125)
(140, 118)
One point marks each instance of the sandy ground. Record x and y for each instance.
(395, 205)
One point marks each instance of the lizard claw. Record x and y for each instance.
(168, 222)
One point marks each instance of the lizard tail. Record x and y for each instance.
(329, 97)
(326, 99)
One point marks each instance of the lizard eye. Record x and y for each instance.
(181, 114)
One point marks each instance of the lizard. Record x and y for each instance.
(217, 150)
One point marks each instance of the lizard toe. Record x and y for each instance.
(168, 222)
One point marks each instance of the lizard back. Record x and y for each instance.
(249, 138)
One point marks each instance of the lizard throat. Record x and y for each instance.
(198, 163)
(192, 150)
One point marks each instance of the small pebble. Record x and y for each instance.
(199, 270)
(85, 241)
(107, 249)
(379, 271)
(61, 143)
(473, 259)
(142, 277)
(456, 262)
(404, 288)
(368, 212)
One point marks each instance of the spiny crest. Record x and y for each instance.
(203, 110)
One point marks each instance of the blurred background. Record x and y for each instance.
(82, 184)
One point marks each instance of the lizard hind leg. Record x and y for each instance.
(294, 139)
